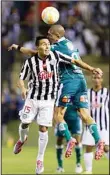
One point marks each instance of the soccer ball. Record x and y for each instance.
(50, 15)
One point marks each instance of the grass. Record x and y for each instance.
(24, 163)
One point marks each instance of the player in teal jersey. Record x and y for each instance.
(72, 88)
(75, 127)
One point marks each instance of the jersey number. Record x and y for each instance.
(27, 109)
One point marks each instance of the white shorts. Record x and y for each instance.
(39, 110)
(87, 138)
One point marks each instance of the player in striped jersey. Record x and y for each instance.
(99, 108)
(41, 71)
(73, 87)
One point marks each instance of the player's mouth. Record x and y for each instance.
(47, 52)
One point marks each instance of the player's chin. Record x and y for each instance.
(47, 53)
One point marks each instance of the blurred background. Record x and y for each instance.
(86, 25)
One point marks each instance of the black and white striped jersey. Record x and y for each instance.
(99, 107)
(42, 75)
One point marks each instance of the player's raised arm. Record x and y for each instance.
(23, 50)
(80, 63)
(85, 66)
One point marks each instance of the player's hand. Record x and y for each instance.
(13, 46)
(24, 93)
(97, 71)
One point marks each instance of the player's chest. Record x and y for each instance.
(98, 100)
(44, 69)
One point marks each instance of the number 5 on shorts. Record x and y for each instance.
(27, 109)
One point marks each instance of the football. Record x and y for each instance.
(50, 15)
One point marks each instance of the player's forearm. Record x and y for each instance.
(26, 51)
(83, 65)
(23, 50)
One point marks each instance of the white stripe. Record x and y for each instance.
(24, 70)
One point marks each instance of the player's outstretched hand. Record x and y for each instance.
(97, 71)
(13, 46)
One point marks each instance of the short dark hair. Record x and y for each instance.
(38, 38)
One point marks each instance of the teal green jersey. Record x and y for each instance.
(66, 47)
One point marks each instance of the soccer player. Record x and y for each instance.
(75, 127)
(41, 71)
(99, 108)
(72, 87)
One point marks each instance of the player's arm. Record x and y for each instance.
(24, 74)
(80, 63)
(87, 67)
(22, 87)
(23, 50)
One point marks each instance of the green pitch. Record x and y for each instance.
(24, 163)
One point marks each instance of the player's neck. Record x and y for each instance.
(97, 88)
(42, 57)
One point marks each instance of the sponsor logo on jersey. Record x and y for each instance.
(96, 105)
(65, 99)
(43, 75)
(83, 98)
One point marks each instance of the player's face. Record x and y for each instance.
(44, 47)
(97, 80)
(52, 36)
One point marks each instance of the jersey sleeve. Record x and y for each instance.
(76, 55)
(53, 47)
(25, 71)
(63, 57)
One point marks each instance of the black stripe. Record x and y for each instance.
(96, 107)
(53, 78)
(56, 56)
(65, 58)
(105, 111)
(100, 113)
(47, 84)
(34, 77)
(105, 120)
(26, 72)
(22, 68)
(57, 64)
(40, 83)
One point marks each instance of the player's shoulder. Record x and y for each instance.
(71, 45)
(105, 89)
(89, 90)
(31, 60)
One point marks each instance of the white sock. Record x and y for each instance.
(88, 158)
(107, 155)
(42, 143)
(23, 133)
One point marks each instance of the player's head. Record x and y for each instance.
(43, 45)
(55, 33)
(97, 80)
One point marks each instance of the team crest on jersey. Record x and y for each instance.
(43, 75)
